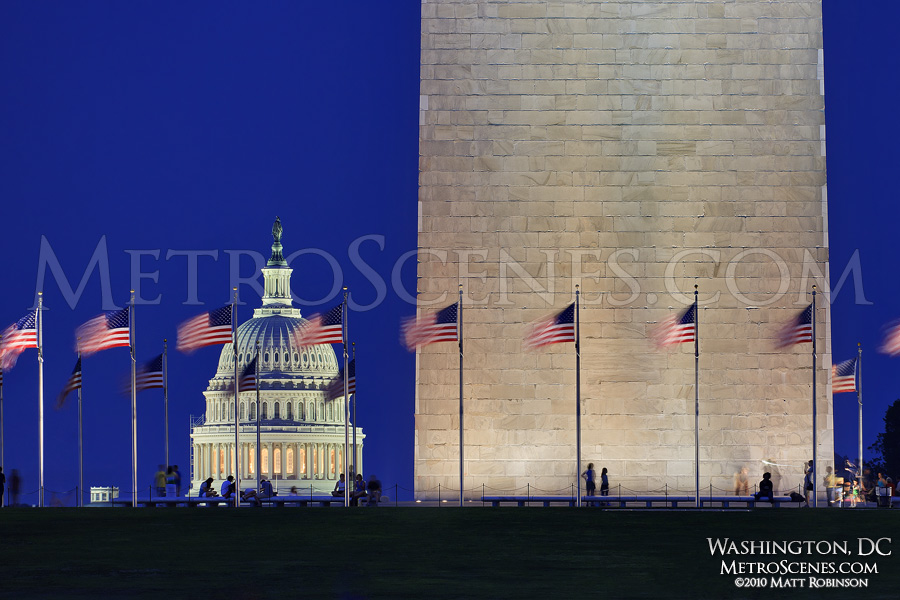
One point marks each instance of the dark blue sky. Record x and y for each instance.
(172, 127)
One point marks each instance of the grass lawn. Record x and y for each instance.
(418, 552)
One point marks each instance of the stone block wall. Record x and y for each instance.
(635, 149)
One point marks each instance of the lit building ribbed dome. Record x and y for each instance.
(281, 358)
(301, 430)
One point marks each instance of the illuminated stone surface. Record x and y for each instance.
(637, 149)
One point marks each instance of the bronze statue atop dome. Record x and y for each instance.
(277, 229)
(277, 258)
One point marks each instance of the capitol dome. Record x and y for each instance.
(280, 357)
(296, 434)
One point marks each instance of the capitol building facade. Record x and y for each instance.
(301, 430)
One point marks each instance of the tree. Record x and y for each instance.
(887, 444)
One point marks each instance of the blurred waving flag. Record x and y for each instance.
(892, 341)
(150, 375)
(335, 388)
(798, 331)
(16, 338)
(325, 328)
(676, 330)
(74, 383)
(843, 376)
(207, 329)
(109, 330)
(552, 330)
(248, 377)
(436, 327)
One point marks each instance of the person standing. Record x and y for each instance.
(159, 481)
(604, 484)
(808, 486)
(171, 489)
(741, 484)
(2, 485)
(374, 491)
(829, 482)
(177, 480)
(589, 483)
(14, 482)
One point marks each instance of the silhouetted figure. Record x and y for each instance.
(359, 490)
(2, 485)
(227, 490)
(171, 485)
(766, 490)
(159, 481)
(589, 477)
(207, 490)
(340, 487)
(15, 483)
(177, 480)
(374, 491)
(741, 484)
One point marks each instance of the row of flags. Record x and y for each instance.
(111, 330)
(441, 326)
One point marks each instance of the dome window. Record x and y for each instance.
(296, 357)
(275, 356)
(266, 357)
(287, 357)
(277, 415)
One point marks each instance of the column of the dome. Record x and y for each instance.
(283, 461)
(270, 467)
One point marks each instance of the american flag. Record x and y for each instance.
(109, 330)
(892, 341)
(17, 337)
(798, 331)
(552, 330)
(73, 384)
(150, 375)
(207, 329)
(335, 388)
(677, 330)
(843, 376)
(248, 377)
(437, 327)
(325, 328)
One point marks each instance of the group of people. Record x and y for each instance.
(15, 483)
(227, 490)
(370, 492)
(591, 483)
(167, 481)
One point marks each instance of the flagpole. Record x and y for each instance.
(132, 332)
(578, 394)
(696, 398)
(40, 341)
(355, 457)
(859, 401)
(80, 502)
(258, 433)
(459, 313)
(815, 445)
(237, 412)
(2, 455)
(345, 334)
(165, 367)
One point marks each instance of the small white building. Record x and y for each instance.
(103, 495)
(302, 432)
